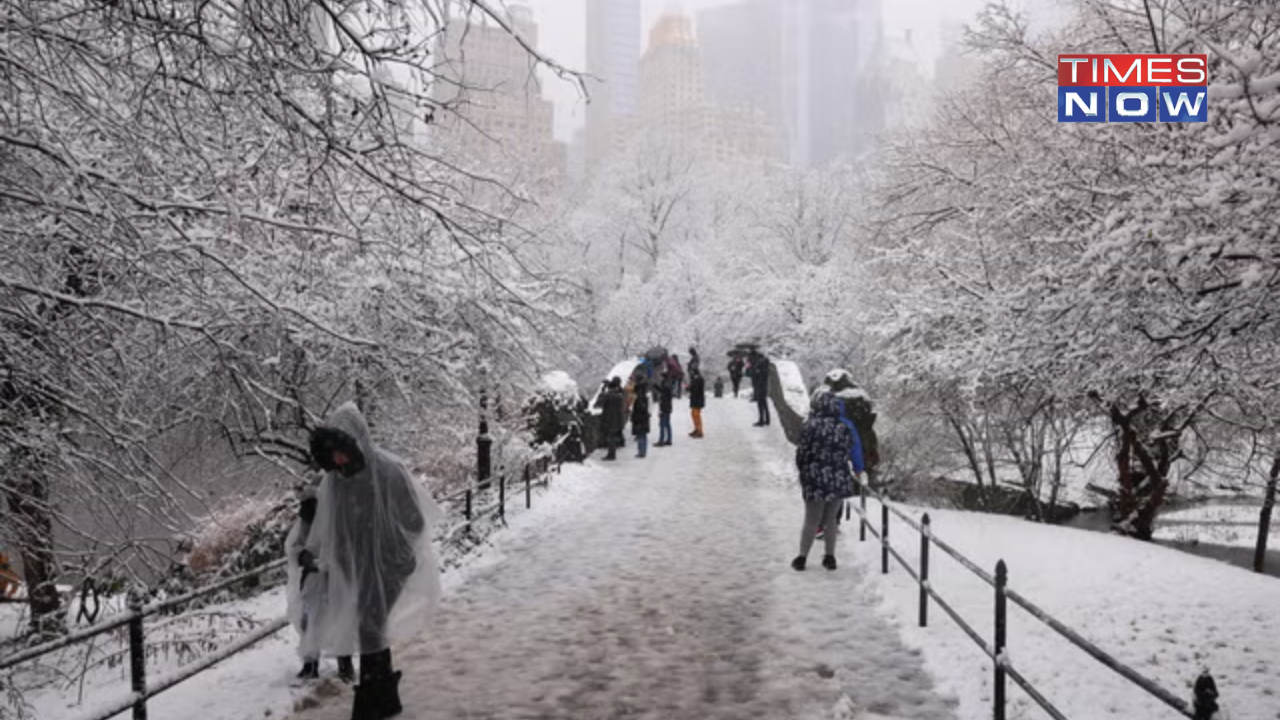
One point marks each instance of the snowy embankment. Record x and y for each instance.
(254, 684)
(794, 392)
(1166, 614)
(1234, 525)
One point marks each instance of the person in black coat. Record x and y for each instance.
(665, 396)
(697, 401)
(640, 418)
(759, 372)
(613, 408)
(736, 367)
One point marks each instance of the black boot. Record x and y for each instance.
(310, 670)
(799, 563)
(346, 669)
(389, 696)
(829, 562)
(363, 707)
(378, 694)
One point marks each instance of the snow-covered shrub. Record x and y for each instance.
(240, 536)
(555, 416)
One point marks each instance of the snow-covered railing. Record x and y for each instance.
(1204, 703)
(138, 611)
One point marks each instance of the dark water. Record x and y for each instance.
(1100, 521)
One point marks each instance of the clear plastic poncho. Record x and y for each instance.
(371, 538)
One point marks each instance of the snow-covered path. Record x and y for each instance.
(665, 592)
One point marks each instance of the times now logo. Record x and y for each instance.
(1133, 88)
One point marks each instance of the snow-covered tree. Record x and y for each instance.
(217, 218)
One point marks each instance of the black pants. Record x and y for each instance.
(374, 607)
(736, 382)
(762, 405)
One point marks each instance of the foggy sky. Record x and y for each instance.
(562, 32)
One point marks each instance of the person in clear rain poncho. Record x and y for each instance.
(371, 542)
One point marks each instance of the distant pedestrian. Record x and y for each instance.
(828, 446)
(613, 408)
(675, 374)
(697, 401)
(736, 368)
(719, 386)
(665, 393)
(695, 362)
(759, 372)
(640, 419)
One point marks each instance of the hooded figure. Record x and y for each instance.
(828, 446)
(371, 539)
(613, 416)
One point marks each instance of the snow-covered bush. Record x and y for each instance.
(556, 417)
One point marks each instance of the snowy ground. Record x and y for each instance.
(663, 591)
(1165, 613)
(1232, 524)
(660, 588)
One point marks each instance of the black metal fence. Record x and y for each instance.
(537, 473)
(1205, 693)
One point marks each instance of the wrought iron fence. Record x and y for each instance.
(1205, 692)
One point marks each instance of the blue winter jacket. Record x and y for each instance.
(855, 453)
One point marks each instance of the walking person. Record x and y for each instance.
(640, 418)
(759, 372)
(664, 414)
(828, 447)
(372, 542)
(697, 401)
(613, 408)
(736, 367)
(675, 374)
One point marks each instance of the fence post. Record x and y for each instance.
(862, 524)
(1205, 702)
(468, 512)
(925, 534)
(137, 655)
(528, 489)
(502, 495)
(884, 538)
(1002, 580)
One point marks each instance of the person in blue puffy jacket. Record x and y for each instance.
(827, 456)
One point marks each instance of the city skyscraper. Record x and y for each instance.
(809, 66)
(613, 64)
(677, 116)
(502, 121)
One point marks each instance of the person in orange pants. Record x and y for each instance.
(697, 401)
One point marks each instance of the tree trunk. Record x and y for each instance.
(1142, 489)
(28, 500)
(1264, 518)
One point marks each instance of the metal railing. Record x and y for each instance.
(132, 619)
(1205, 693)
(536, 473)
